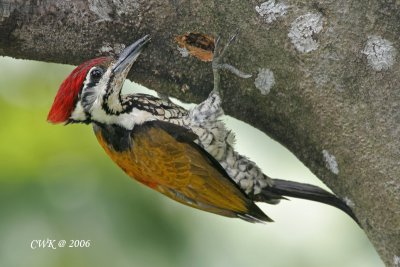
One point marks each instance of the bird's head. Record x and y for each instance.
(94, 87)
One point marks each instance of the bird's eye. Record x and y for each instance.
(96, 74)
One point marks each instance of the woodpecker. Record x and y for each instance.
(187, 155)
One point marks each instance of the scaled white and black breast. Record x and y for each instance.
(204, 121)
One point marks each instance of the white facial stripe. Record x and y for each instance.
(79, 113)
(102, 84)
(90, 94)
(113, 102)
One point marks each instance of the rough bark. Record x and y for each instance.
(334, 102)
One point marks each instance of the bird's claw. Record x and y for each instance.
(217, 65)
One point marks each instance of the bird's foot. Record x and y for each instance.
(217, 64)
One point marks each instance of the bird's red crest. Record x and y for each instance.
(67, 95)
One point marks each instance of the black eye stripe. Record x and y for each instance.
(92, 79)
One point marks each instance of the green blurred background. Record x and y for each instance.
(56, 182)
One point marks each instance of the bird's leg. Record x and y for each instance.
(210, 109)
(217, 64)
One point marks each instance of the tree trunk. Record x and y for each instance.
(325, 77)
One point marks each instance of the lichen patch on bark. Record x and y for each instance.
(303, 30)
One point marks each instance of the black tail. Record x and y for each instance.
(304, 191)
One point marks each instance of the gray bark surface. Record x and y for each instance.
(334, 101)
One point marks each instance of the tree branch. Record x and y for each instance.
(325, 77)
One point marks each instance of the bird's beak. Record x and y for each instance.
(128, 56)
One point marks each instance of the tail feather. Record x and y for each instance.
(303, 191)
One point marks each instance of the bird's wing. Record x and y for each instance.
(164, 156)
